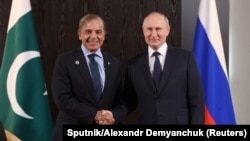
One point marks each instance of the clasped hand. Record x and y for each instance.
(104, 117)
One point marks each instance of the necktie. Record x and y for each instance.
(157, 71)
(96, 78)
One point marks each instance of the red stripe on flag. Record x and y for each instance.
(208, 118)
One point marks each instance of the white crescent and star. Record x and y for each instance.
(19, 61)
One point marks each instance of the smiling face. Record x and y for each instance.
(92, 33)
(155, 29)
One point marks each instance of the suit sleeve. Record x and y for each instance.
(195, 93)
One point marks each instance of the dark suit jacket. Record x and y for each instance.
(2, 133)
(180, 98)
(73, 91)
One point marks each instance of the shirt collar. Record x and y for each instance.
(162, 50)
(86, 52)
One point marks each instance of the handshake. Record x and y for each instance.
(104, 117)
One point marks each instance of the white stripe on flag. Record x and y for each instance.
(18, 9)
(211, 24)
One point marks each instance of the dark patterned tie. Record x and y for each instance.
(96, 78)
(157, 71)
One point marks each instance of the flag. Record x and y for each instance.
(24, 108)
(209, 54)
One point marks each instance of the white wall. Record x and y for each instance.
(239, 58)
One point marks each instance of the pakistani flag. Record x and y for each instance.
(24, 108)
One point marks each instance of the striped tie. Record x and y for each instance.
(96, 78)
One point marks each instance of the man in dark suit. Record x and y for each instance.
(74, 91)
(176, 96)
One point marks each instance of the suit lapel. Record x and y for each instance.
(108, 72)
(83, 68)
(168, 67)
(144, 63)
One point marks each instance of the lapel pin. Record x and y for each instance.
(77, 62)
(109, 63)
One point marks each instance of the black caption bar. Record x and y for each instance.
(80, 132)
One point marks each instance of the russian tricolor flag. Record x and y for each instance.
(209, 53)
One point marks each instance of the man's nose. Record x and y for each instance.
(93, 34)
(153, 33)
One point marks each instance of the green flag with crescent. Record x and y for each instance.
(24, 107)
